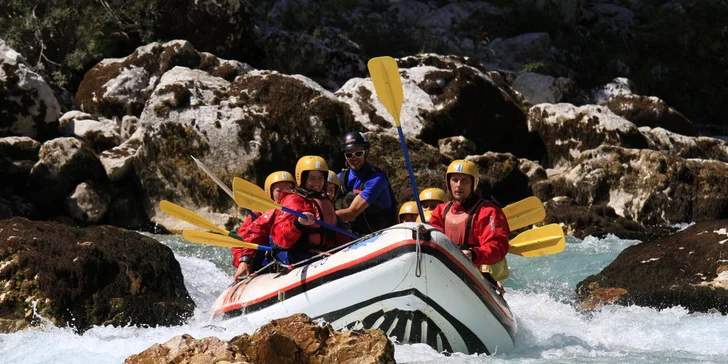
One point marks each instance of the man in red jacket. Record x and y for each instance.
(478, 226)
(257, 231)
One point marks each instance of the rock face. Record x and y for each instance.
(295, 339)
(84, 277)
(257, 124)
(685, 269)
(28, 106)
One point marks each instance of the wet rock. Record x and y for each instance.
(294, 339)
(685, 269)
(28, 106)
(84, 277)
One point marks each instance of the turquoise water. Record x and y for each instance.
(540, 292)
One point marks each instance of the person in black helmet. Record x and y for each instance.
(365, 189)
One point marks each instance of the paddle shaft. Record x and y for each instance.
(217, 180)
(322, 223)
(411, 173)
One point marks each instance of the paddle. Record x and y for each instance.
(251, 196)
(388, 85)
(525, 212)
(217, 180)
(540, 241)
(193, 218)
(203, 237)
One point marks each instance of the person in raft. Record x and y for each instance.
(367, 194)
(332, 186)
(408, 212)
(304, 238)
(257, 231)
(477, 225)
(431, 197)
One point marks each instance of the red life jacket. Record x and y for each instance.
(315, 236)
(458, 225)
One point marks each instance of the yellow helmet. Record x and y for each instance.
(465, 167)
(275, 177)
(427, 213)
(436, 194)
(409, 207)
(310, 163)
(333, 178)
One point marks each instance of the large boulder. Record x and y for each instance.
(446, 96)
(85, 277)
(257, 124)
(645, 186)
(597, 220)
(120, 87)
(294, 339)
(63, 164)
(650, 111)
(28, 106)
(568, 130)
(685, 269)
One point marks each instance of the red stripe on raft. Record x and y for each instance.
(482, 289)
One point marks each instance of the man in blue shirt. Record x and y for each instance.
(365, 189)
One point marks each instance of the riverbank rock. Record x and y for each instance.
(78, 277)
(687, 269)
(294, 339)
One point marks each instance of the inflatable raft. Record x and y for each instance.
(409, 280)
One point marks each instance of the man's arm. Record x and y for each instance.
(373, 188)
(357, 207)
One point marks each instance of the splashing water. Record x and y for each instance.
(540, 292)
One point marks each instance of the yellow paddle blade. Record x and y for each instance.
(249, 196)
(540, 241)
(387, 84)
(202, 237)
(242, 185)
(189, 216)
(524, 213)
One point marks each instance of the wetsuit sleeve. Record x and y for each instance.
(285, 231)
(375, 189)
(239, 252)
(436, 217)
(491, 229)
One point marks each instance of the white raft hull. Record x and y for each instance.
(419, 292)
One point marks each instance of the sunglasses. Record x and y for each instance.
(358, 154)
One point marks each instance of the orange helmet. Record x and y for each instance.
(310, 163)
(427, 213)
(464, 167)
(433, 194)
(275, 177)
(409, 207)
(333, 178)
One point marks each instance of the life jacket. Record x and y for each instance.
(372, 218)
(458, 228)
(315, 236)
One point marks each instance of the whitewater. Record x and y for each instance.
(551, 329)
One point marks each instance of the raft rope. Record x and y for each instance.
(418, 251)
